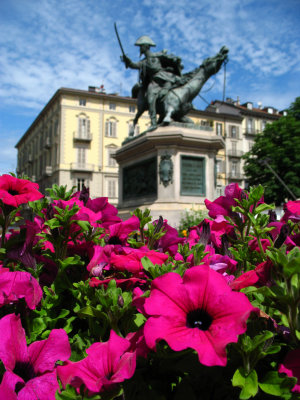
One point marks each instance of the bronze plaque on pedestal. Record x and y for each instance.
(192, 176)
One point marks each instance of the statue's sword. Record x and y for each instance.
(119, 40)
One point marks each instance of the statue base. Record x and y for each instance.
(168, 170)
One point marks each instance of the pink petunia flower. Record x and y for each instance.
(291, 367)
(223, 204)
(248, 278)
(197, 311)
(14, 191)
(19, 284)
(30, 371)
(169, 242)
(106, 365)
(130, 260)
(118, 233)
(292, 211)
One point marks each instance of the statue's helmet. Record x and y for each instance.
(145, 40)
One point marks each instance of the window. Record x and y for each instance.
(55, 154)
(80, 184)
(136, 129)
(111, 188)
(219, 129)
(82, 102)
(263, 125)
(56, 128)
(233, 147)
(111, 129)
(234, 168)
(219, 166)
(234, 132)
(112, 106)
(83, 127)
(132, 109)
(81, 156)
(250, 125)
(111, 161)
(206, 122)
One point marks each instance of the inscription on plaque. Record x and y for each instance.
(140, 179)
(192, 176)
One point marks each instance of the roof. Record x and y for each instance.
(243, 109)
(66, 91)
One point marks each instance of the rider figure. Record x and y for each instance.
(157, 71)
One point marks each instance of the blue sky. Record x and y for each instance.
(48, 44)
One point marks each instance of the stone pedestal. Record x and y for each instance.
(168, 171)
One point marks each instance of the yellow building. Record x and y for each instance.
(72, 140)
(239, 138)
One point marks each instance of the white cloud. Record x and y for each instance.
(51, 43)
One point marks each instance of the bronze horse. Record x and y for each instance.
(173, 104)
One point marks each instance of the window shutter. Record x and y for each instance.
(237, 132)
(106, 128)
(79, 127)
(88, 127)
(114, 129)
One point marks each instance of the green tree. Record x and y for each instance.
(279, 145)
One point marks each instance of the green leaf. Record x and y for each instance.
(84, 225)
(293, 265)
(247, 382)
(147, 264)
(276, 385)
(263, 207)
(259, 339)
(256, 194)
(90, 311)
(139, 320)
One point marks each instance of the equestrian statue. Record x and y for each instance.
(163, 89)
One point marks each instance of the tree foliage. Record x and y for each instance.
(279, 145)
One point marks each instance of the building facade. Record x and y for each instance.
(239, 137)
(73, 139)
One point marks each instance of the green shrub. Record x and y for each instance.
(190, 218)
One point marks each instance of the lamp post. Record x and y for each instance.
(265, 161)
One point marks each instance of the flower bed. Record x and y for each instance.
(93, 307)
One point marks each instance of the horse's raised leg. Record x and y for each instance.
(168, 116)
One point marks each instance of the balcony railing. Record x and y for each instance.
(236, 176)
(47, 143)
(251, 131)
(48, 170)
(82, 167)
(234, 153)
(87, 137)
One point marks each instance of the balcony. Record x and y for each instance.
(235, 176)
(250, 132)
(234, 153)
(79, 137)
(47, 144)
(48, 170)
(82, 167)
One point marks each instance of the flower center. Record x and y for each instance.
(24, 370)
(199, 319)
(13, 192)
(114, 240)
